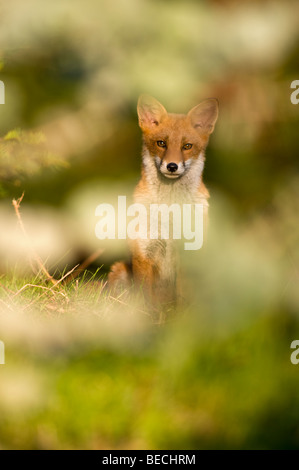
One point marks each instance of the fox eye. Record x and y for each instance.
(187, 146)
(161, 143)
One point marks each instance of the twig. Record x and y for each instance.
(38, 287)
(6, 289)
(65, 276)
(16, 204)
(51, 289)
(70, 275)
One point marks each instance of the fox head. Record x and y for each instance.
(176, 141)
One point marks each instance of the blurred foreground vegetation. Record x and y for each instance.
(85, 369)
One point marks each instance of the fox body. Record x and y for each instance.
(173, 159)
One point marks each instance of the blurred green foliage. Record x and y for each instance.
(97, 58)
(22, 155)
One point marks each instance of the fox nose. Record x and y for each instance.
(172, 167)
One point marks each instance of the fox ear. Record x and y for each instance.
(204, 116)
(150, 112)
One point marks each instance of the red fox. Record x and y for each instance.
(172, 165)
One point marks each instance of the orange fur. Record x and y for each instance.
(179, 140)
